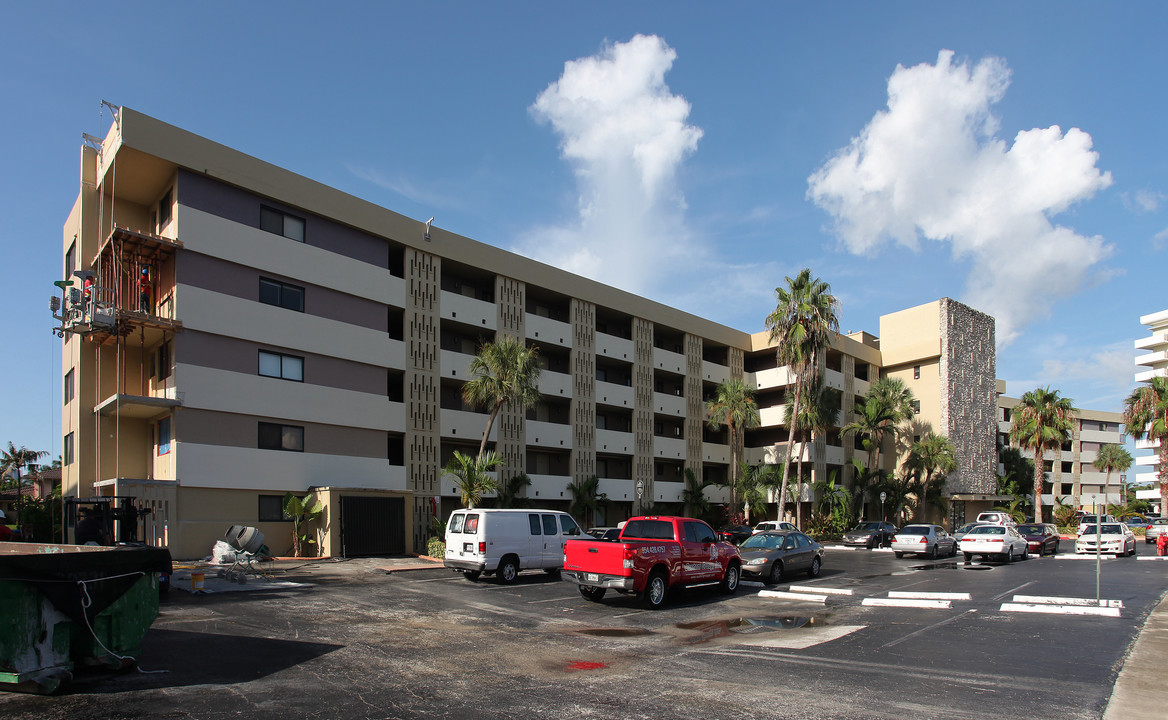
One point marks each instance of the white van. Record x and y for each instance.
(504, 541)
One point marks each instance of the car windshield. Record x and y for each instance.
(1107, 529)
(1087, 520)
(988, 530)
(1030, 529)
(916, 530)
(763, 541)
(866, 527)
(966, 527)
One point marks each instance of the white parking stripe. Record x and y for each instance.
(930, 595)
(1012, 590)
(1061, 609)
(821, 590)
(1051, 600)
(800, 596)
(907, 602)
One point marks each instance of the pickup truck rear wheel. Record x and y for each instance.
(730, 579)
(595, 594)
(653, 596)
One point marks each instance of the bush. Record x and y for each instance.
(435, 548)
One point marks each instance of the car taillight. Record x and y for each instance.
(895, 538)
(627, 563)
(483, 547)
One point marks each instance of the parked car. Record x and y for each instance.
(931, 540)
(735, 533)
(501, 542)
(960, 532)
(1113, 538)
(994, 541)
(1155, 528)
(870, 534)
(770, 556)
(1092, 520)
(1136, 521)
(1041, 537)
(774, 525)
(996, 517)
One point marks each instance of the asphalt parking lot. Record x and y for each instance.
(363, 642)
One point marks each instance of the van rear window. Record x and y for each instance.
(472, 524)
(456, 523)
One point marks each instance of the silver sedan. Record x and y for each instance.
(931, 540)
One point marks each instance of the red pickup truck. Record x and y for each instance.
(651, 556)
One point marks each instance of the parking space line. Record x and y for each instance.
(930, 595)
(1061, 609)
(999, 597)
(798, 596)
(927, 628)
(907, 602)
(819, 590)
(1054, 600)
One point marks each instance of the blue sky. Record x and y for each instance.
(696, 153)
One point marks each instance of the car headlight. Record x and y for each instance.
(757, 561)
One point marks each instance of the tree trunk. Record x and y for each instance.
(924, 495)
(487, 430)
(1163, 473)
(799, 483)
(790, 448)
(1038, 477)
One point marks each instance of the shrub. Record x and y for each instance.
(435, 548)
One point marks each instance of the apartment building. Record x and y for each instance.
(235, 331)
(1071, 476)
(1155, 359)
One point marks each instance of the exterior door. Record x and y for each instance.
(372, 526)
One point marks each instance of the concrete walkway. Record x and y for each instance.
(1141, 690)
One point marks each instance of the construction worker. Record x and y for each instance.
(144, 291)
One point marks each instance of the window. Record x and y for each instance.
(164, 436)
(916, 406)
(164, 361)
(549, 525)
(67, 450)
(278, 365)
(272, 509)
(274, 292)
(164, 210)
(916, 372)
(67, 392)
(274, 436)
(569, 525)
(533, 523)
(281, 223)
(70, 260)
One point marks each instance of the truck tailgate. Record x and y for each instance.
(605, 558)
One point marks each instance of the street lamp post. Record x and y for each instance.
(883, 496)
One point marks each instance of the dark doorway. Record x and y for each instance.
(372, 526)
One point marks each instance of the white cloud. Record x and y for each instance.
(626, 135)
(931, 166)
(1160, 240)
(1143, 200)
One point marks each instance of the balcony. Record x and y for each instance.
(614, 347)
(546, 331)
(468, 310)
(139, 407)
(112, 307)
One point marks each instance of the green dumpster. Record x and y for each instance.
(69, 607)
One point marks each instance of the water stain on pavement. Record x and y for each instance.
(615, 632)
(710, 630)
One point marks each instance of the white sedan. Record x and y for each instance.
(1112, 539)
(994, 541)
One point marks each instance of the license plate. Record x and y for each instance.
(591, 577)
(466, 547)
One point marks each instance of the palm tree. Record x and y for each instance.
(931, 454)
(11, 461)
(470, 472)
(734, 406)
(756, 481)
(897, 489)
(819, 413)
(1114, 457)
(801, 326)
(694, 496)
(1145, 415)
(586, 499)
(1042, 421)
(505, 372)
(510, 493)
